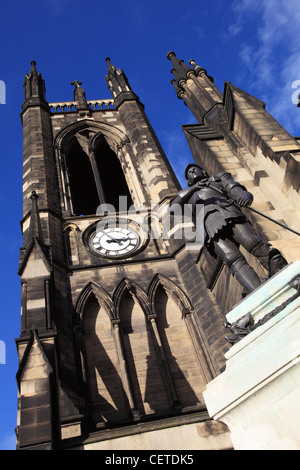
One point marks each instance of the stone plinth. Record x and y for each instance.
(258, 394)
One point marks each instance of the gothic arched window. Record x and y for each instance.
(106, 392)
(178, 349)
(141, 357)
(95, 175)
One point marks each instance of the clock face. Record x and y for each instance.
(117, 238)
(115, 241)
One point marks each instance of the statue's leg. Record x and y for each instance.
(270, 258)
(229, 252)
(246, 236)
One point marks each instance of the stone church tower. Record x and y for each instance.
(122, 320)
(235, 133)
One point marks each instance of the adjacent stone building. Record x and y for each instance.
(122, 323)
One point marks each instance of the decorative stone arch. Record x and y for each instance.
(95, 150)
(137, 293)
(172, 290)
(71, 227)
(103, 380)
(71, 234)
(173, 318)
(147, 371)
(114, 136)
(101, 295)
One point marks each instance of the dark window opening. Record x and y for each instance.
(83, 189)
(111, 175)
(110, 178)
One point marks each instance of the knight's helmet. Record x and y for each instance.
(191, 165)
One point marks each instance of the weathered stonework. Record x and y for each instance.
(117, 351)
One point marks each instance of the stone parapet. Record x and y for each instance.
(257, 395)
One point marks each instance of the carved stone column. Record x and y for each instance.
(164, 367)
(197, 346)
(123, 370)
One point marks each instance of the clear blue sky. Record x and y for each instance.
(252, 43)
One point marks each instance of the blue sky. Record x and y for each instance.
(252, 43)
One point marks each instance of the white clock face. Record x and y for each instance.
(115, 241)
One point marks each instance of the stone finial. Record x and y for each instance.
(35, 228)
(34, 84)
(200, 70)
(180, 70)
(118, 84)
(178, 89)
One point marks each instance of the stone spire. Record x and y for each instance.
(178, 89)
(194, 87)
(34, 84)
(200, 70)
(180, 70)
(118, 84)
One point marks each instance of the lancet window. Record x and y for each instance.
(93, 175)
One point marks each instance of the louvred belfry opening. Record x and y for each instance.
(84, 195)
(92, 174)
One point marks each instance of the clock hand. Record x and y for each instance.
(115, 240)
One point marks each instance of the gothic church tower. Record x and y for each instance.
(119, 332)
(236, 134)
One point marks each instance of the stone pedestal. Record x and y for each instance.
(258, 394)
